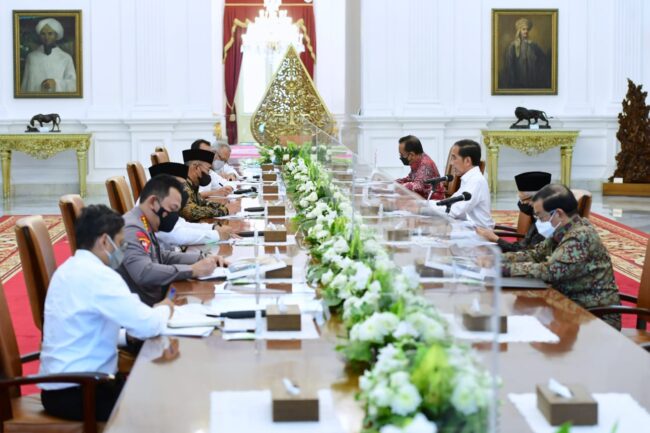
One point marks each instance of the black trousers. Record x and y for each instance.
(67, 403)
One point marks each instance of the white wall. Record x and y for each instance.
(148, 70)
(430, 76)
(152, 75)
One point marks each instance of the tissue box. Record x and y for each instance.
(269, 177)
(480, 321)
(343, 176)
(369, 210)
(580, 409)
(269, 189)
(275, 235)
(275, 210)
(267, 167)
(288, 407)
(287, 321)
(286, 272)
(398, 235)
(426, 271)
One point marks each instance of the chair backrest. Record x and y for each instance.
(37, 259)
(523, 223)
(159, 158)
(163, 150)
(644, 285)
(71, 206)
(119, 195)
(584, 202)
(137, 177)
(10, 365)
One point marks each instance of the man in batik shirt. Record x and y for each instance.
(572, 259)
(197, 208)
(422, 168)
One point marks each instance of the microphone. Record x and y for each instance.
(437, 180)
(451, 200)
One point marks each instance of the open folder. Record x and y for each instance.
(190, 316)
(246, 267)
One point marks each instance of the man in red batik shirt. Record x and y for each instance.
(422, 168)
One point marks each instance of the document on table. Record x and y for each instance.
(246, 267)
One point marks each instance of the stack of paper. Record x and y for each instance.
(246, 267)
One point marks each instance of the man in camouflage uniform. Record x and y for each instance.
(527, 186)
(572, 258)
(197, 208)
(147, 268)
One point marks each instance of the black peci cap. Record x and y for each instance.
(172, 168)
(532, 180)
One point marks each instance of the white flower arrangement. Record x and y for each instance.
(391, 327)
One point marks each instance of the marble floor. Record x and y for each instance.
(631, 211)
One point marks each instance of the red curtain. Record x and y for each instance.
(237, 14)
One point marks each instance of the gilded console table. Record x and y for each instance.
(530, 142)
(43, 146)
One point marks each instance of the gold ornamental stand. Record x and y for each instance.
(530, 142)
(43, 146)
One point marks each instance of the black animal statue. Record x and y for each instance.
(525, 114)
(47, 118)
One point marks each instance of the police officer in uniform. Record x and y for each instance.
(147, 268)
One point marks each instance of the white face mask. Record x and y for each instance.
(546, 228)
(218, 164)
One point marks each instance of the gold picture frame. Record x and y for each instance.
(524, 51)
(47, 54)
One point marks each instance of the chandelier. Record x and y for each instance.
(272, 32)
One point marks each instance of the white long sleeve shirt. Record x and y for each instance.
(186, 233)
(86, 305)
(477, 209)
(217, 182)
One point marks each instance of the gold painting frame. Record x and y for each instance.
(29, 49)
(524, 65)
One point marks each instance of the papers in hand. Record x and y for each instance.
(247, 267)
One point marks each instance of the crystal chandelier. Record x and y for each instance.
(272, 32)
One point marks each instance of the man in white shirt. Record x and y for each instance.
(184, 232)
(86, 305)
(465, 159)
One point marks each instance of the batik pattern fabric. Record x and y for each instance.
(575, 262)
(197, 208)
(422, 170)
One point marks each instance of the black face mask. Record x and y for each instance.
(168, 221)
(525, 208)
(404, 160)
(205, 179)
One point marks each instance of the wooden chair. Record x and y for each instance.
(524, 222)
(25, 413)
(71, 206)
(137, 177)
(159, 158)
(163, 150)
(641, 310)
(119, 195)
(584, 202)
(37, 258)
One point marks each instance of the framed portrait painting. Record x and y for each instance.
(524, 51)
(47, 54)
